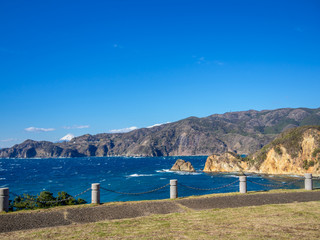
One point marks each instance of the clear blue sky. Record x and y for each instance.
(92, 66)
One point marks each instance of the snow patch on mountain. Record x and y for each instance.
(67, 137)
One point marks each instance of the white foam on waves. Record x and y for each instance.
(177, 172)
(164, 170)
(187, 173)
(140, 175)
(57, 167)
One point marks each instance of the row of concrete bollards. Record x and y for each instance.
(308, 184)
(95, 190)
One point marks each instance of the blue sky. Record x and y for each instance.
(94, 66)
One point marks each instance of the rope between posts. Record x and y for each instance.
(275, 185)
(208, 189)
(54, 201)
(126, 193)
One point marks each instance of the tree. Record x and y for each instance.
(44, 200)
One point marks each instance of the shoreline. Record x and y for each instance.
(260, 173)
(114, 156)
(179, 156)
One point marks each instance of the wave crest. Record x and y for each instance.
(140, 175)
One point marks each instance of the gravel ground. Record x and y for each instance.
(127, 210)
(249, 200)
(58, 217)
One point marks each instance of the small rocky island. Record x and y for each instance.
(183, 166)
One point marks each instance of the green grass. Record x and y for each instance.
(284, 221)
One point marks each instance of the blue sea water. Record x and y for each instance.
(124, 174)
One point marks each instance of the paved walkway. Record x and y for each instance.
(78, 215)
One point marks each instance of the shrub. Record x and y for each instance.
(45, 197)
(307, 164)
(24, 201)
(277, 149)
(44, 200)
(290, 140)
(248, 159)
(315, 152)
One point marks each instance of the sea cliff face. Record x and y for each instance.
(226, 162)
(296, 151)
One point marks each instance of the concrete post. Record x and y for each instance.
(173, 188)
(243, 184)
(95, 194)
(308, 181)
(4, 199)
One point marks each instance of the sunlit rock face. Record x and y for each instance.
(181, 165)
(296, 151)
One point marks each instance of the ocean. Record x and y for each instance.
(123, 174)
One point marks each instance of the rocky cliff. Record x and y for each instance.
(226, 162)
(296, 151)
(242, 132)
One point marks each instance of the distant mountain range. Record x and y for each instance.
(242, 132)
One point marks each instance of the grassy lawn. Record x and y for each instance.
(283, 221)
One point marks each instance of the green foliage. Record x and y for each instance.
(64, 195)
(242, 158)
(290, 140)
(45, 197)
(315, 152)
(277, 128)
(249, 160)
(277, 149)
(80, 201)
(44, 200)
(307, 164)
(311, 120)
(261, 156)
(259, 129)
(25, 201)
(235, 155)
(311, 111)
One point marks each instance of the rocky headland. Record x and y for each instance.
(295, 151)
(242, 132)
(226, 162)
(183, 166)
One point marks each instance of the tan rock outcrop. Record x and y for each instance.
(227, 162)
(181, 165)
(297, 151)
